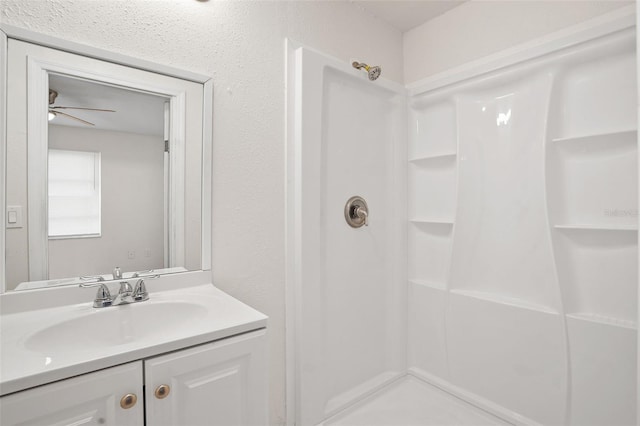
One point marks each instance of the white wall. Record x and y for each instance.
(132, 203)
(638, 111)
(479, 28)
(241, 44)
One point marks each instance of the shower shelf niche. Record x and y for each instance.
(602, 319)
(504, 300)
(614, 228)
(625, 136)
(430, 221)
(425, 160)
(431, 284)
(430, 253)
(432, 189)
(432, 133)
(597, 271)
(594, 185)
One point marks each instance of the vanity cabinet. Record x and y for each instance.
(222, 383)
(92, 399)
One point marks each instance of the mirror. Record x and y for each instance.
(104, 168)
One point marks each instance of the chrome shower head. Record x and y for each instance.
(372, 72)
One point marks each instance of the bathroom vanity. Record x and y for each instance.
(174, 351)
(189, 355)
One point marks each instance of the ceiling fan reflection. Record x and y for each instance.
(54, 110)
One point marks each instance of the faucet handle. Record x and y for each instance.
(103, 297)
(140, 291)
(362, 213)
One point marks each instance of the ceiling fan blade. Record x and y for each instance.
(86, 109)
(74, 118)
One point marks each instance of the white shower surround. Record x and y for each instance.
(528, 350)
(352, 143)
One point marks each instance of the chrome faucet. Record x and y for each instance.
(125, 295)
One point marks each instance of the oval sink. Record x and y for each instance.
(116, 325)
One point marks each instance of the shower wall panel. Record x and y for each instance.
(350, 302)
(523, 236)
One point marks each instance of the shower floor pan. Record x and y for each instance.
(412, 402)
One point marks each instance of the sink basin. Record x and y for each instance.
(116, 325)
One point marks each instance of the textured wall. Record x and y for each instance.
(489, 27)
(240, 44)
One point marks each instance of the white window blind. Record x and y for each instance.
(74, 193)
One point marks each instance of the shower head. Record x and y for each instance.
(372, 72)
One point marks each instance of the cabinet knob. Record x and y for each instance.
(162, 391)
(128, 401)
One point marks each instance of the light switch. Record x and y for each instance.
(14, 216)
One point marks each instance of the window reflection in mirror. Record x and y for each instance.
(74, 191)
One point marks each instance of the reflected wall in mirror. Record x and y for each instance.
(107, 180)
(105, 169)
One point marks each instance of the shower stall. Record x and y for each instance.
(496, 281)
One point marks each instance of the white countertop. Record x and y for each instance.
(23, 366)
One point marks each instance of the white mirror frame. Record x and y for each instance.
(38, 77)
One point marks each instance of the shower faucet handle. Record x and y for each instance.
(362, 213)
(356, 212)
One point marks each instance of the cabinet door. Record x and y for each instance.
(221, 383)
(90, 399)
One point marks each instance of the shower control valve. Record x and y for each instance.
(356, 212)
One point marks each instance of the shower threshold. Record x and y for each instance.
(412, 402)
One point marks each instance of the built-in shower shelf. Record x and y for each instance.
(429, 221)
(603, 319)
(431, 284)
(629, 228)
(433, 157)
(504, 300)
(601, 141)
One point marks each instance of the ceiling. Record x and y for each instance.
(136, 112)
(405, 15)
